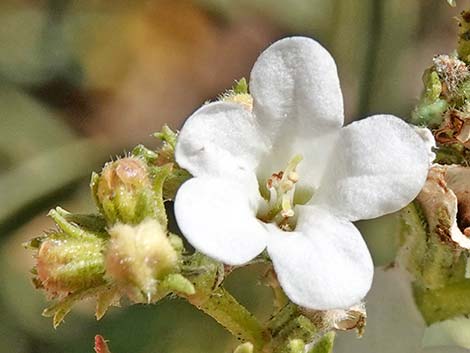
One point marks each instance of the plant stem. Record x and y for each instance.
(226, 310)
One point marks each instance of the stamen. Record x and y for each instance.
(287, 210)
(281, 188)
(293, 176)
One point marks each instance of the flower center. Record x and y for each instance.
(280, 196)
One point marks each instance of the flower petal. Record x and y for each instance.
(219, 139)
(324, 264)
(296, 91)
(380, 166)
(394, 324)
(218, 217)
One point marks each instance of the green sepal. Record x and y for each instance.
(143, 152)
(175, 282)
(95, 223)
(159, 176)
(59, 310)
(167, 135)
(325, 344)
(69, 228)
(106, 298)
(240, 86)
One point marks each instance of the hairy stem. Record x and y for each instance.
(226, 310)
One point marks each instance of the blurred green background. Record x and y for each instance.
(83, 81)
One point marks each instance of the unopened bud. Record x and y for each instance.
(124, 191)
(65, 265)
(138, 257)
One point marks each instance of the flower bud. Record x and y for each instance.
(138, 257)
(65, 265)
(124, 191)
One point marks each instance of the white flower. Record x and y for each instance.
(394, 323)
(235, 206)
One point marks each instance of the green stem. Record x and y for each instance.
(225, 309)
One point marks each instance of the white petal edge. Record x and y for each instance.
(296, 91)
(324, 264)
(394, 324)
(218, 217)
(220, 139)
(380, 166)
(428, 139)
